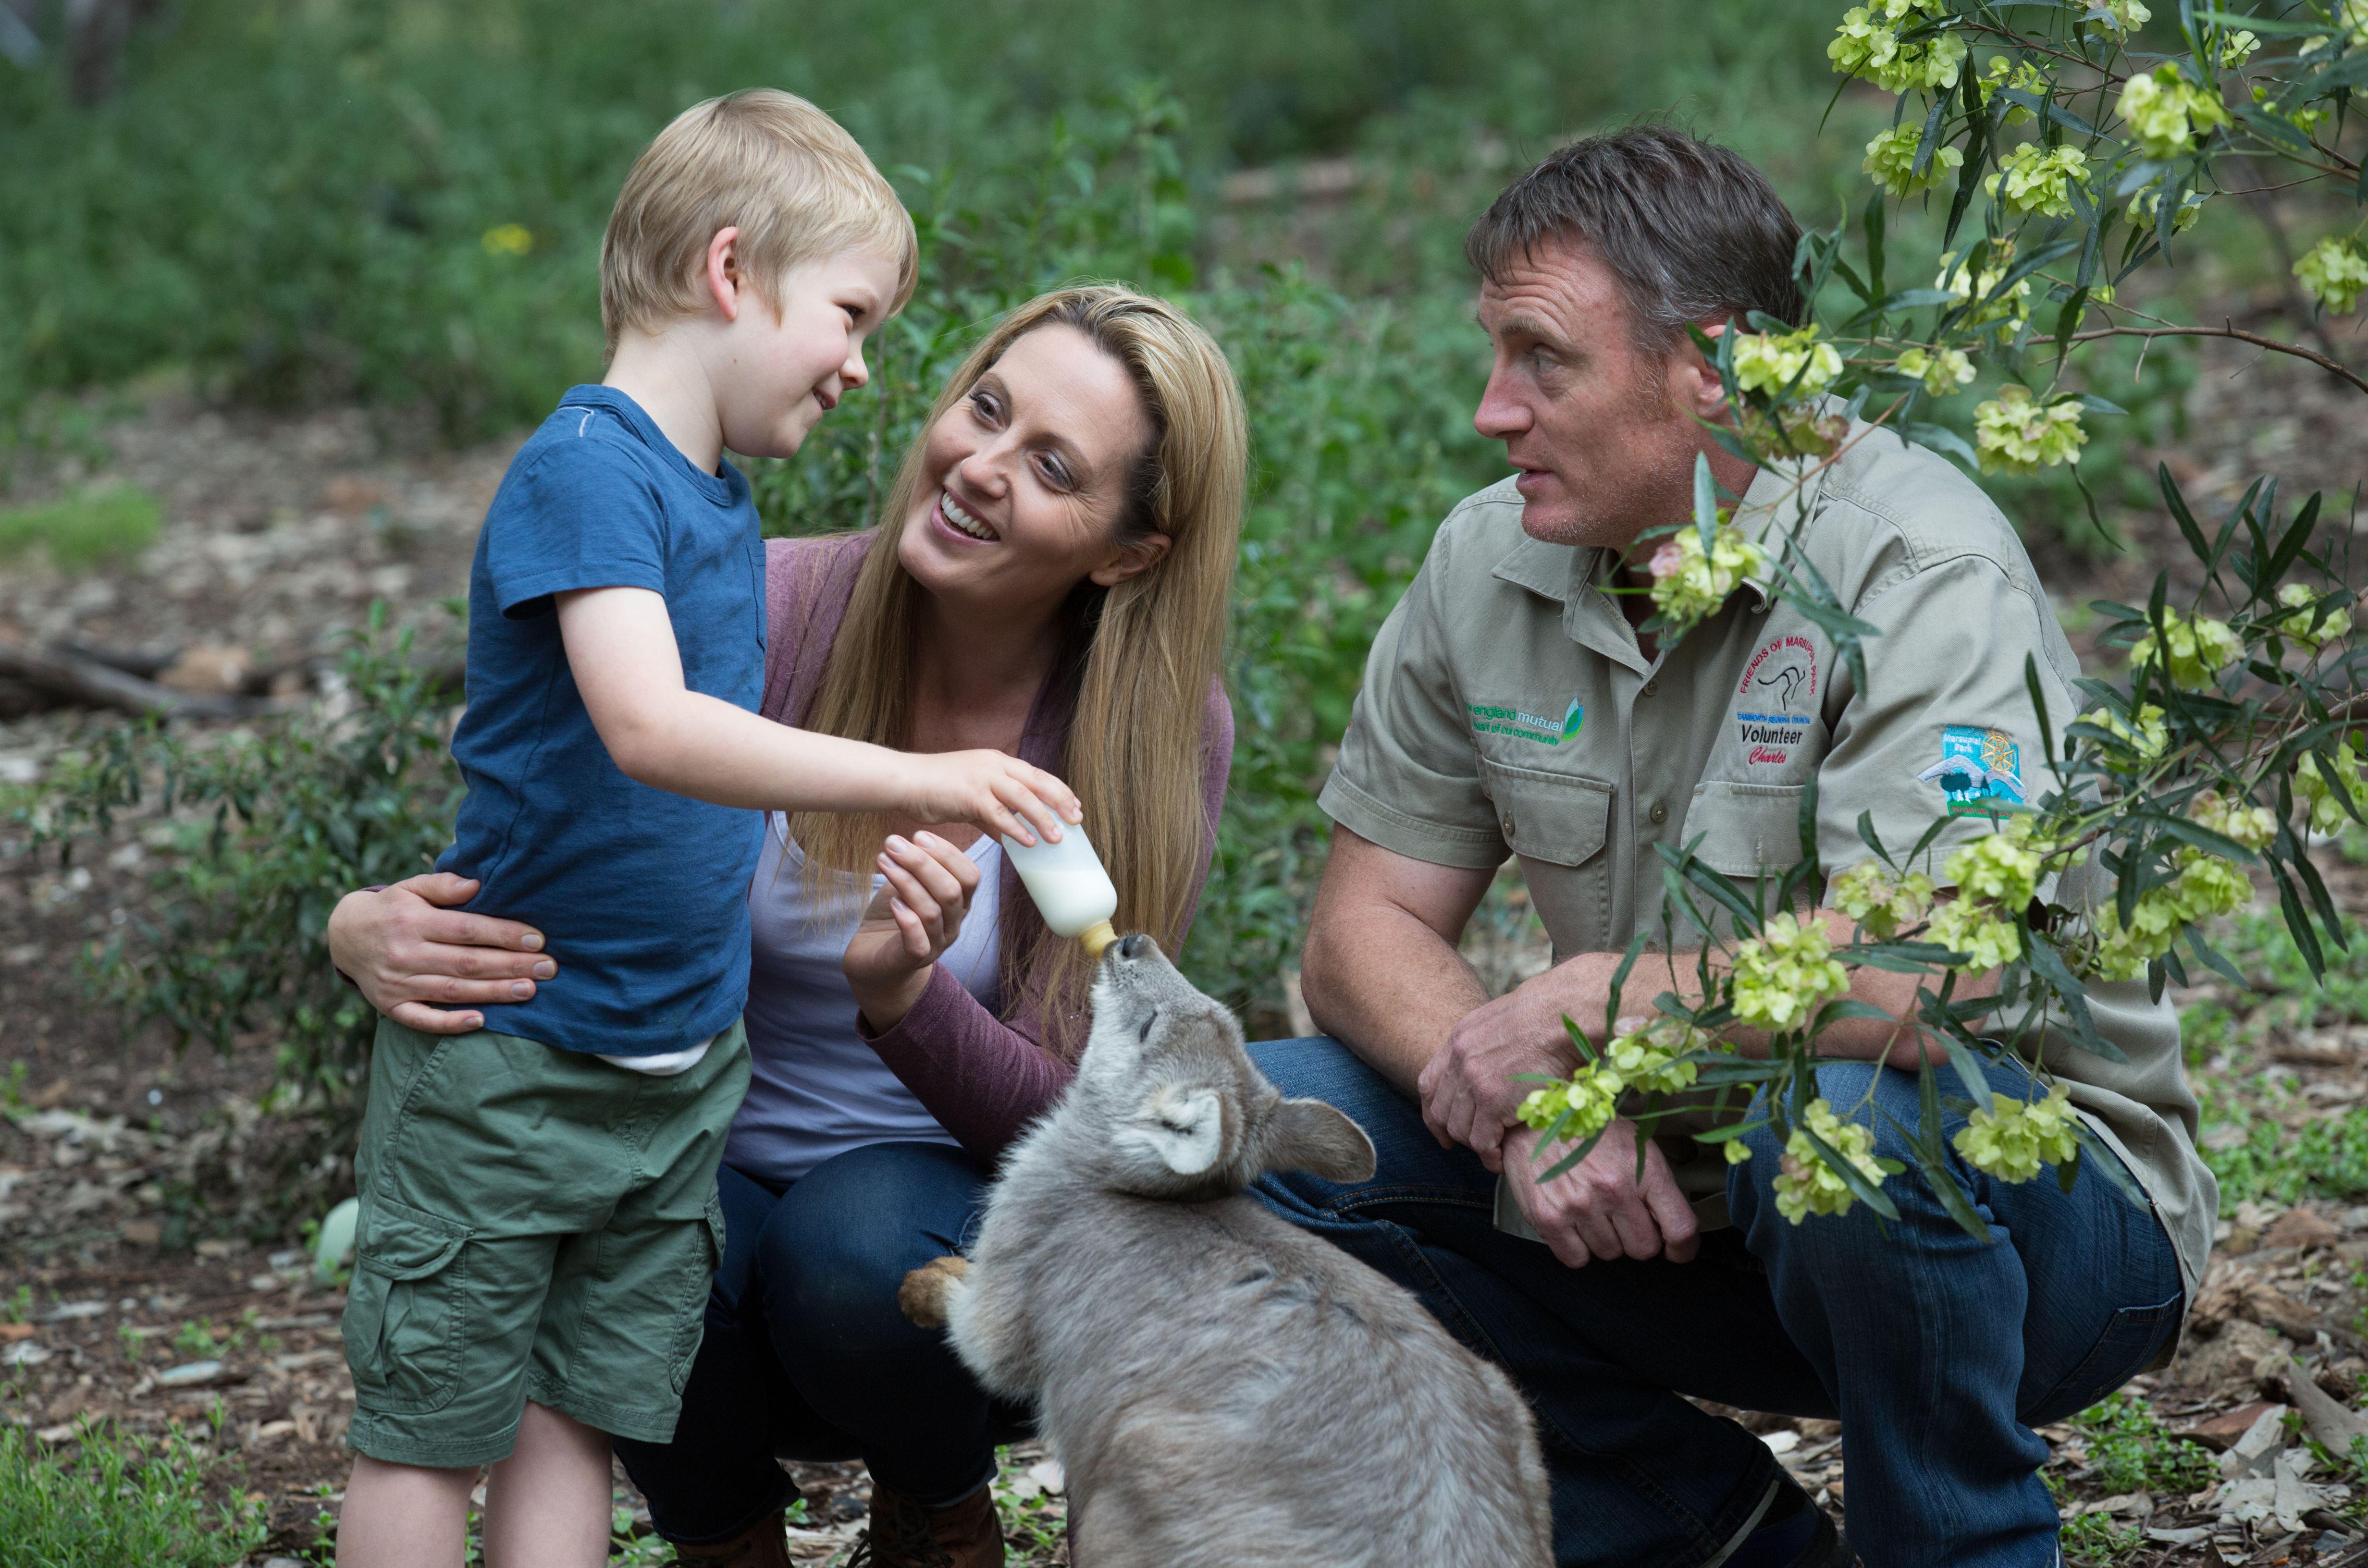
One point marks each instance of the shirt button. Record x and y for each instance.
(1659, 813)
(1508, 825)
(1651, 686)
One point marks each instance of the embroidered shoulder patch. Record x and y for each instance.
(1977, 767)
(1489, 719)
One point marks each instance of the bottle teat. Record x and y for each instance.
(1097, 936)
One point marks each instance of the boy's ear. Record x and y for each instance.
(1308, 1135)
(724, 280)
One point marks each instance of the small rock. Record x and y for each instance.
(65, 1311)
(215, 1247)
(143, 1234)
(61, 1433)
(2188, 1537)
(25, 1355)
(188, 1374)
(2301, 1228)
(1781, 1443)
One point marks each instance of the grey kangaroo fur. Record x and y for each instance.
(1223, 1390)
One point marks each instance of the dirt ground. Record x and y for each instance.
(129, 1291)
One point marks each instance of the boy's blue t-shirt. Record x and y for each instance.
(641, 895)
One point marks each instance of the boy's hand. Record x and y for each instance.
(1000, 794)
(909, 925)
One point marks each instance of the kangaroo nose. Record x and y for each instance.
(1134, 946)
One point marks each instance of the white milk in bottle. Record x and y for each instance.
(1066, 879)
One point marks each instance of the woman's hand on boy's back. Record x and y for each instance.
(910, 923)
(997, 794)
(424, 962)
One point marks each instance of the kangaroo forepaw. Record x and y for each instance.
(926, 1290)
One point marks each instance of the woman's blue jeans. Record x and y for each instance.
(806, 1355)
(1938, 1354)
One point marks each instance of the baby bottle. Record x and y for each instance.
(1069, 886)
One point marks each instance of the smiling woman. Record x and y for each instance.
(1052, 582)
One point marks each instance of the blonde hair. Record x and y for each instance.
(787, 176)
(1141, 653)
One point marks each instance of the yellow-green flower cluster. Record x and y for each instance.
(2312, 789)
(2334, 272)
(507, 239)
(1943, 371)
(1644, 1056)
(2199, 648)
(2033, 178)
(1977, 930)
(1784, 975)
(1891, 160)
(1590, 1096)
(2335, 623)
(2250, 826)
(2351, 16)
(2206, 885)
(1690, 584)
(1867, 46)
(1882, 905)
(1807, 1184)
(2003, 867)
(2015, 433)
(2144, 740)
(2237, 48)
(1968, 283)
(2014, 1138)
(1767, 362)
(2165, 113)
(2143, 207)
(2022, 76)
(2123, 16)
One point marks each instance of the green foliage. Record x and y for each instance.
(112, 1497)
(291, 197)
(84, 529)
(2134, 1451)
(302, 809)
(2322, 1157)
(2094, 1540)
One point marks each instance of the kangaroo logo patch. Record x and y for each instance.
(1489, 719)
(1979, 767)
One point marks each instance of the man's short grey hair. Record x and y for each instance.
(1693, 233)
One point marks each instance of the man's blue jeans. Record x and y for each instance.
(1937, 1354)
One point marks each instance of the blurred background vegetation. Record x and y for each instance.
(399, 203)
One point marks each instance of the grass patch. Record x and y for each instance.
(83, 530)
(112, 1497)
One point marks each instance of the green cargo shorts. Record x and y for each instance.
(538, 1224)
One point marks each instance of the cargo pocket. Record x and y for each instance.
(406, 1314)
(699, 1280)
(1560, 818)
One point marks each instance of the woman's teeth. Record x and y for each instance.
(960, 520)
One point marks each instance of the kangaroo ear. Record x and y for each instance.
(1308, 1135)
(1186, 1130)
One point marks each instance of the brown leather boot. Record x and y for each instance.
(905, 1534)
(761, 1545)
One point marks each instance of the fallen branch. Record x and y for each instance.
(94, 685)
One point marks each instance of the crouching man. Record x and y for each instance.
(1511, 707)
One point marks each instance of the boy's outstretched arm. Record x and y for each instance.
(622, 648)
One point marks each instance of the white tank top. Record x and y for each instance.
(815, 1089)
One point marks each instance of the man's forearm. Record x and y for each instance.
(1386, 985)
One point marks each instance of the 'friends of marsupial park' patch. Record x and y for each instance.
(1488, 719)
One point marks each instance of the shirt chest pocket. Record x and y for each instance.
(1747, 830)
(1559, 818)
(1557, 823)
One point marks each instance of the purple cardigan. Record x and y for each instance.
(983, 1078)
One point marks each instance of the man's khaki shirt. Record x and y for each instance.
(1508, 709)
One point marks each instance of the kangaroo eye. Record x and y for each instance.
(1142, 1035)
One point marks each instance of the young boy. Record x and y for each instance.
(538, 1211)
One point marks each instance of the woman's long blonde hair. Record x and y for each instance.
(1142, 654)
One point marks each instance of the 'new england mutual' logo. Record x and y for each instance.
(1490, 718)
